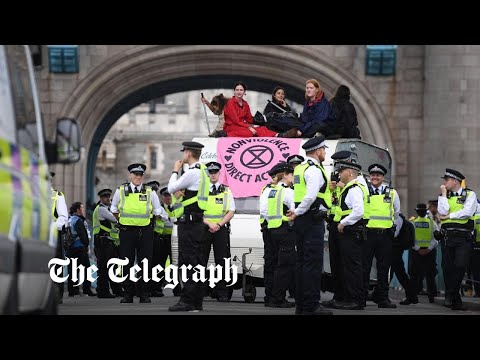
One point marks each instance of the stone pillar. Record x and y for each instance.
(452, 74)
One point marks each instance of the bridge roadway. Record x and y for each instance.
(84, 305)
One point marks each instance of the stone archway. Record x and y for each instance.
(127, 73)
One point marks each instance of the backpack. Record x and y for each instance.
(406, 236)
(281, 122)
(67, 237)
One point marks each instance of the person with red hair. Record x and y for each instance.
(317, 114)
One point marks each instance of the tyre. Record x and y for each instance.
(251, 290)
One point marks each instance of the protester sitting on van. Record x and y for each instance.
(239, 119)
(346, 116)
(317, 115)
(216, 106)
(278, 98)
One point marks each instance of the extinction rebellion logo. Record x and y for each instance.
(255, 158)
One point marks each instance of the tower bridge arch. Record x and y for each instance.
(125, 79)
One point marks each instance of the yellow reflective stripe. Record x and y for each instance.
(189, 201)
(27, 203)
(6, 188)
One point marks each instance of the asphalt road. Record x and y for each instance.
(84, 305)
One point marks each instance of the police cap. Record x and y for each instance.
(134, 168)
(279, 168)
(340, 165)
(164, 191)
(454, 174)
(155, 185)
(377, 169)
(105, 192)
(314, 143)
(192, 145)
(213, 166)
(295, 159)
(342, 155)
(421, 207)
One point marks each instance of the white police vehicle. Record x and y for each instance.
(25, 195)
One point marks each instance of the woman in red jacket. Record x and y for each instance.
(239, 119)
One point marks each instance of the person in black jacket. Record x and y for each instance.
(404, 239)
(278, 98)
(346, 116)
(79, 248)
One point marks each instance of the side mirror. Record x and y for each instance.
(67, 141)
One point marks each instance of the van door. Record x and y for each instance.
(26, 185)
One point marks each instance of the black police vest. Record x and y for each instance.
(192, 208)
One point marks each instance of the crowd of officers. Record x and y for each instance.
(363, 221)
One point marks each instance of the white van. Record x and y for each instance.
(246, 242)
(25, 196)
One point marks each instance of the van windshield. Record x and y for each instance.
(248, 205)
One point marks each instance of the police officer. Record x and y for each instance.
(134, 203)
(312, 199)
(336, 268)
(60, 218)
(166, 236)
(404, 239)
(196, 183)
(456, 207)
(217, 216)
(351, 216)
(159, 254)
(384, 210)
(268, 248)
(280, 200)
(295, 160)
(106, 241)
(424, 251)
(475, 258)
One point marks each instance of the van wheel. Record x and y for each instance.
(250, 289)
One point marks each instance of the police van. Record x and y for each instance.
(246, 243)
(25, 196)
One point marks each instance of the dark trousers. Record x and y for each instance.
(398, 268)
(220, 241)
(336, 266)
(425, 266)
(162, 249)
(475, 269)
(284, 240)
(105, 250)
(309, 263)
(350, 246)
(379, 244)
(322, 127)
(190, 236)
(59, 254)
(457, 257)
(136, 242)
(269, 261)
(444, 266)
(82, 255)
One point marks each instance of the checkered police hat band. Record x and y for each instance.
(452, 176)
